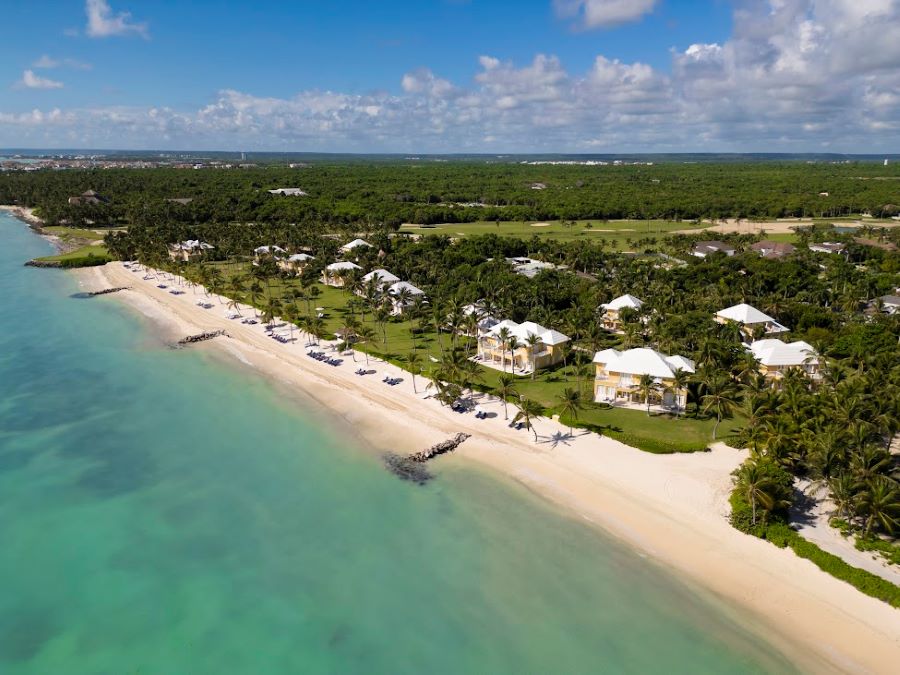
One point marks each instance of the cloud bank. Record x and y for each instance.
(796, 75)
(603, 13)
(31, 81)
(102, 22)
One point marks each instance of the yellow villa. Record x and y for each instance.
(612, 320)
(185, 251)
(777, 357)
(336, 273)
(618, 376)
(546, 351)
(295, 264)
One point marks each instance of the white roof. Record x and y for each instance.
(341, 266)
(745, 314)
(356, 243)
(624, 301)
(301, 257)
(775, 352)
(269, 249)
(643, 361)
(383, 276)
(290, 192)
(521, 331)
(400, 285)
(191, 244)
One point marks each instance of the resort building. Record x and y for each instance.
(750, 319)
(485, 320)
(776, 357)
(188, 250)
(296, 263)
(773, 250)
(618, 378)
(403, 294)
(529, 267)
(266, 252)
(336, 274)
(355, 244)
(546, 351)
(88, 197)
(827, 247)
(612, 310)
(288, 192)
(704, 248)
(382, 277)
(889, 304)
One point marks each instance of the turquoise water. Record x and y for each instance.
(163, 513)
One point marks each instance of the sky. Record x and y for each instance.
(494, 76)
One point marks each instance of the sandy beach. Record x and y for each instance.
(781, 226)
(671, 508)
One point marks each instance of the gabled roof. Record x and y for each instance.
(383, 276)
(712, 246)
(268, 249)
(356, 243)
(342, 266)
(643, 361)
(624, 301)
(775, 352)
(289, 192)
(396, 288)
(301, 257)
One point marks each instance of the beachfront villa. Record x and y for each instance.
(336, 274)
(546, 351)
(611, 311)
(402, 295)
(777, 357)
(773, 250)
(296, 263)
(618, 376)
(382, 278)
(704, 248)
(261, 253)
(188, 250)
(750, 319)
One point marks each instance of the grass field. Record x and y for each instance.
(395, 340)
(616, 233)
(83, 252)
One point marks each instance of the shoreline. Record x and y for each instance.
(672, 508)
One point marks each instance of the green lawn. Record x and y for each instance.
(83, 252)
(654, 433)
(616, 233)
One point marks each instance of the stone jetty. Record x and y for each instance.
(200, 337)
(412, 467)
(106, 291)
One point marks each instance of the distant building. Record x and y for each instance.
(777, 357)
(827, 247)
(383, 278)
(704, 248)
(773, 249)
(295, 263)
(889, 304)
(749, 318)
(619, 373)
(403, 294)
(188, 250)
(184, 201)
(267, 252)
(336, 273)
(289, 192)
(88, 197)
(538, 186)
(529, 267)
(612, 310)
(484, 320)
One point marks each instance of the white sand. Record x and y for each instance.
(780, 226)
(670, 507)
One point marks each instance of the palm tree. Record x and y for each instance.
(503, 336)
(414, 365)
(680, 383)
(757, 486)
(529, 411)
(879, 504)
(570, 401)
(506, 389)
(364, 336)
(647, 385)
(512, 344)
(532, 341)
(721, 398)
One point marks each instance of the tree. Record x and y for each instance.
(529, 411)
(721, 398)
(364, 336)
(503, 336)
(570, 404)
(879, 505)
(506, 389)
(763, 484)
(414, 365)
(532, 341)
(647, 385)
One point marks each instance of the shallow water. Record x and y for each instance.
(163, 513)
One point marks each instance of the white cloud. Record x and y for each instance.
(47, 62)
(604, 13)
(796, 75)
(102, 22)
(31, 81)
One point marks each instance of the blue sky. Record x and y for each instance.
(451, 75)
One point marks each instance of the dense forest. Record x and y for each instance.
(426, 193)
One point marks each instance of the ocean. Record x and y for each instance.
(163, 512)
